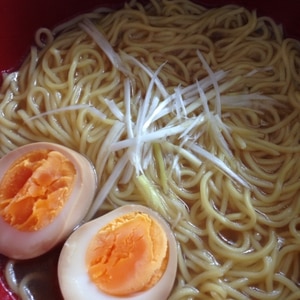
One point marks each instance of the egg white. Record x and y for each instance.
(24, 245)
(74, 280)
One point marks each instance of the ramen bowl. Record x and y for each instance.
(19, 22)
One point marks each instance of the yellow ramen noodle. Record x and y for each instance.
(193, 112)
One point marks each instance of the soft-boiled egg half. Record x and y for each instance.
(128, 253)
(45, 191)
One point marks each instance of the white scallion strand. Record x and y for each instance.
(88, 26)
(74, 107)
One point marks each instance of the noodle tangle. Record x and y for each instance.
(191, 111)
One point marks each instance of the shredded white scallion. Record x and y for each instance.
(111, 104)
(88, 26)
(214, 81)
(144, 108)
(107, 186)
(127, 102)
(179, 104)
(173, 120)
(218, 163)
(186, 113)
(151, 137)
(147, 70)
(112, 136)
(88, 107)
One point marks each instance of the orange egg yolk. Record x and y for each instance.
(128, 255)
(35, 188)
